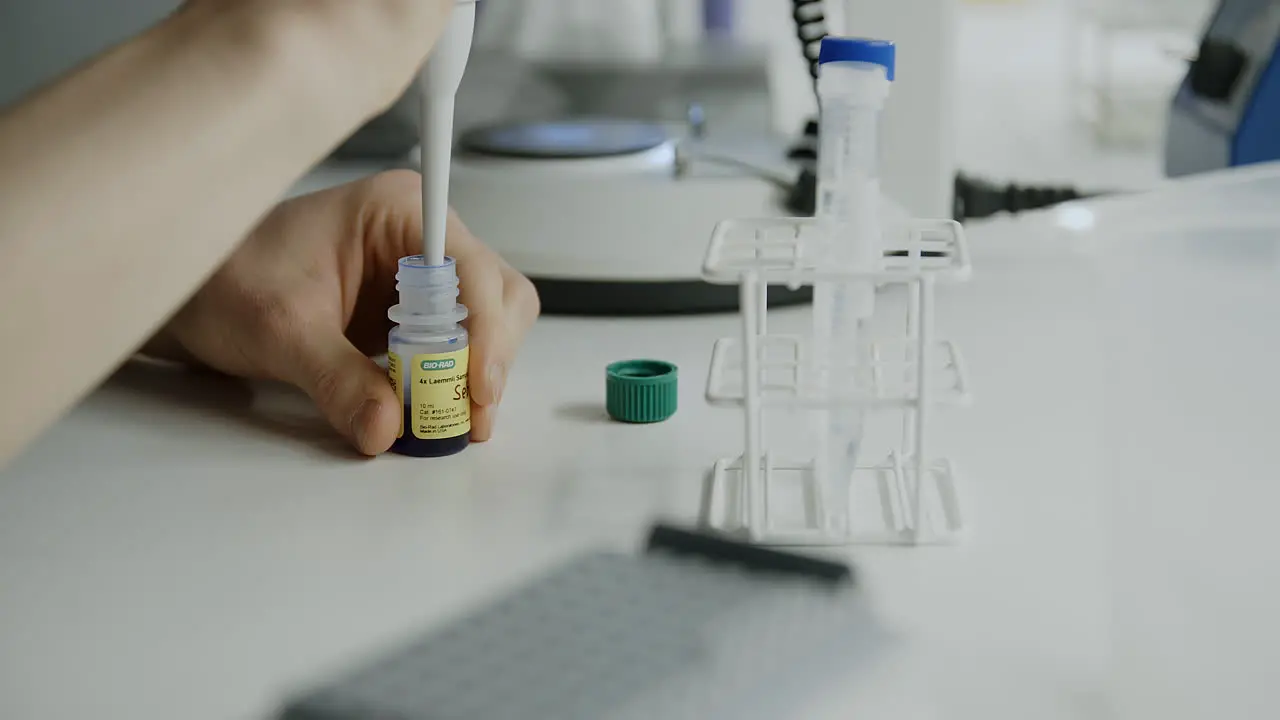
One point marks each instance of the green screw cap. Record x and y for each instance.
(641, 391)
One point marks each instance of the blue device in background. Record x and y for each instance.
(1226, 113)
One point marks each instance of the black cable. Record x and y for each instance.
(802, 198)
(974, 198)
(811, 27)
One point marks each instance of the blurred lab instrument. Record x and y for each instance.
(598, 148)
(1227, 110)
(601, 156)
(643, 122)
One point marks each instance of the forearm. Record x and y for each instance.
(125, 185)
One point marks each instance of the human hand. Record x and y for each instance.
(304, 300)
(210, 115)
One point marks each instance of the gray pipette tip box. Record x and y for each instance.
(695, 627)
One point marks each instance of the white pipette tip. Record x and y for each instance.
(437, 138)
(439, 82)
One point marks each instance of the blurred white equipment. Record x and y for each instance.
(599, 155)
(1127, 57)
(918, 136)
(837, 374)
(600, 177)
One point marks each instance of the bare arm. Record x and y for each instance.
(125, 185)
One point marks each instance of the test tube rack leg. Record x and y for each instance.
(919, 498)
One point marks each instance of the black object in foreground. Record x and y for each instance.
(753, 558)
(695, 627)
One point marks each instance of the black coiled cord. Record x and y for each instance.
(974, 198)
(811, 27)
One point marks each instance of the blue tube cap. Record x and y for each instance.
(848, 49)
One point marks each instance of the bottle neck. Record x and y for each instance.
(429, 326)
(428, 296)
(429, 302)
(437, 334)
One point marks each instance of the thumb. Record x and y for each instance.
(350, 390)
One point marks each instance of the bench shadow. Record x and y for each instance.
(582, 412)
(258, 408)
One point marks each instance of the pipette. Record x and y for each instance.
(439, 81)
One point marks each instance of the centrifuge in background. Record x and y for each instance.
(600, 172)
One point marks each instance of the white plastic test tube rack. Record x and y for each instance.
(912, 374)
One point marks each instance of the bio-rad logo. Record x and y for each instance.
(429, 365)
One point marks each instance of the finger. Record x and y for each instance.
(508, 326)
(523, 306)
(389, 211)
(482, 420)
(502, 304)
(350, 390)
(391, 204)
(500, 341)
(480, 281)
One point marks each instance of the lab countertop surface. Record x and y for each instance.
(194, 546)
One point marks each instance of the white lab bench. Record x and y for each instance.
(196, 547)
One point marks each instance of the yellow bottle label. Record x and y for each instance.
(440, 402)
(393, 372)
